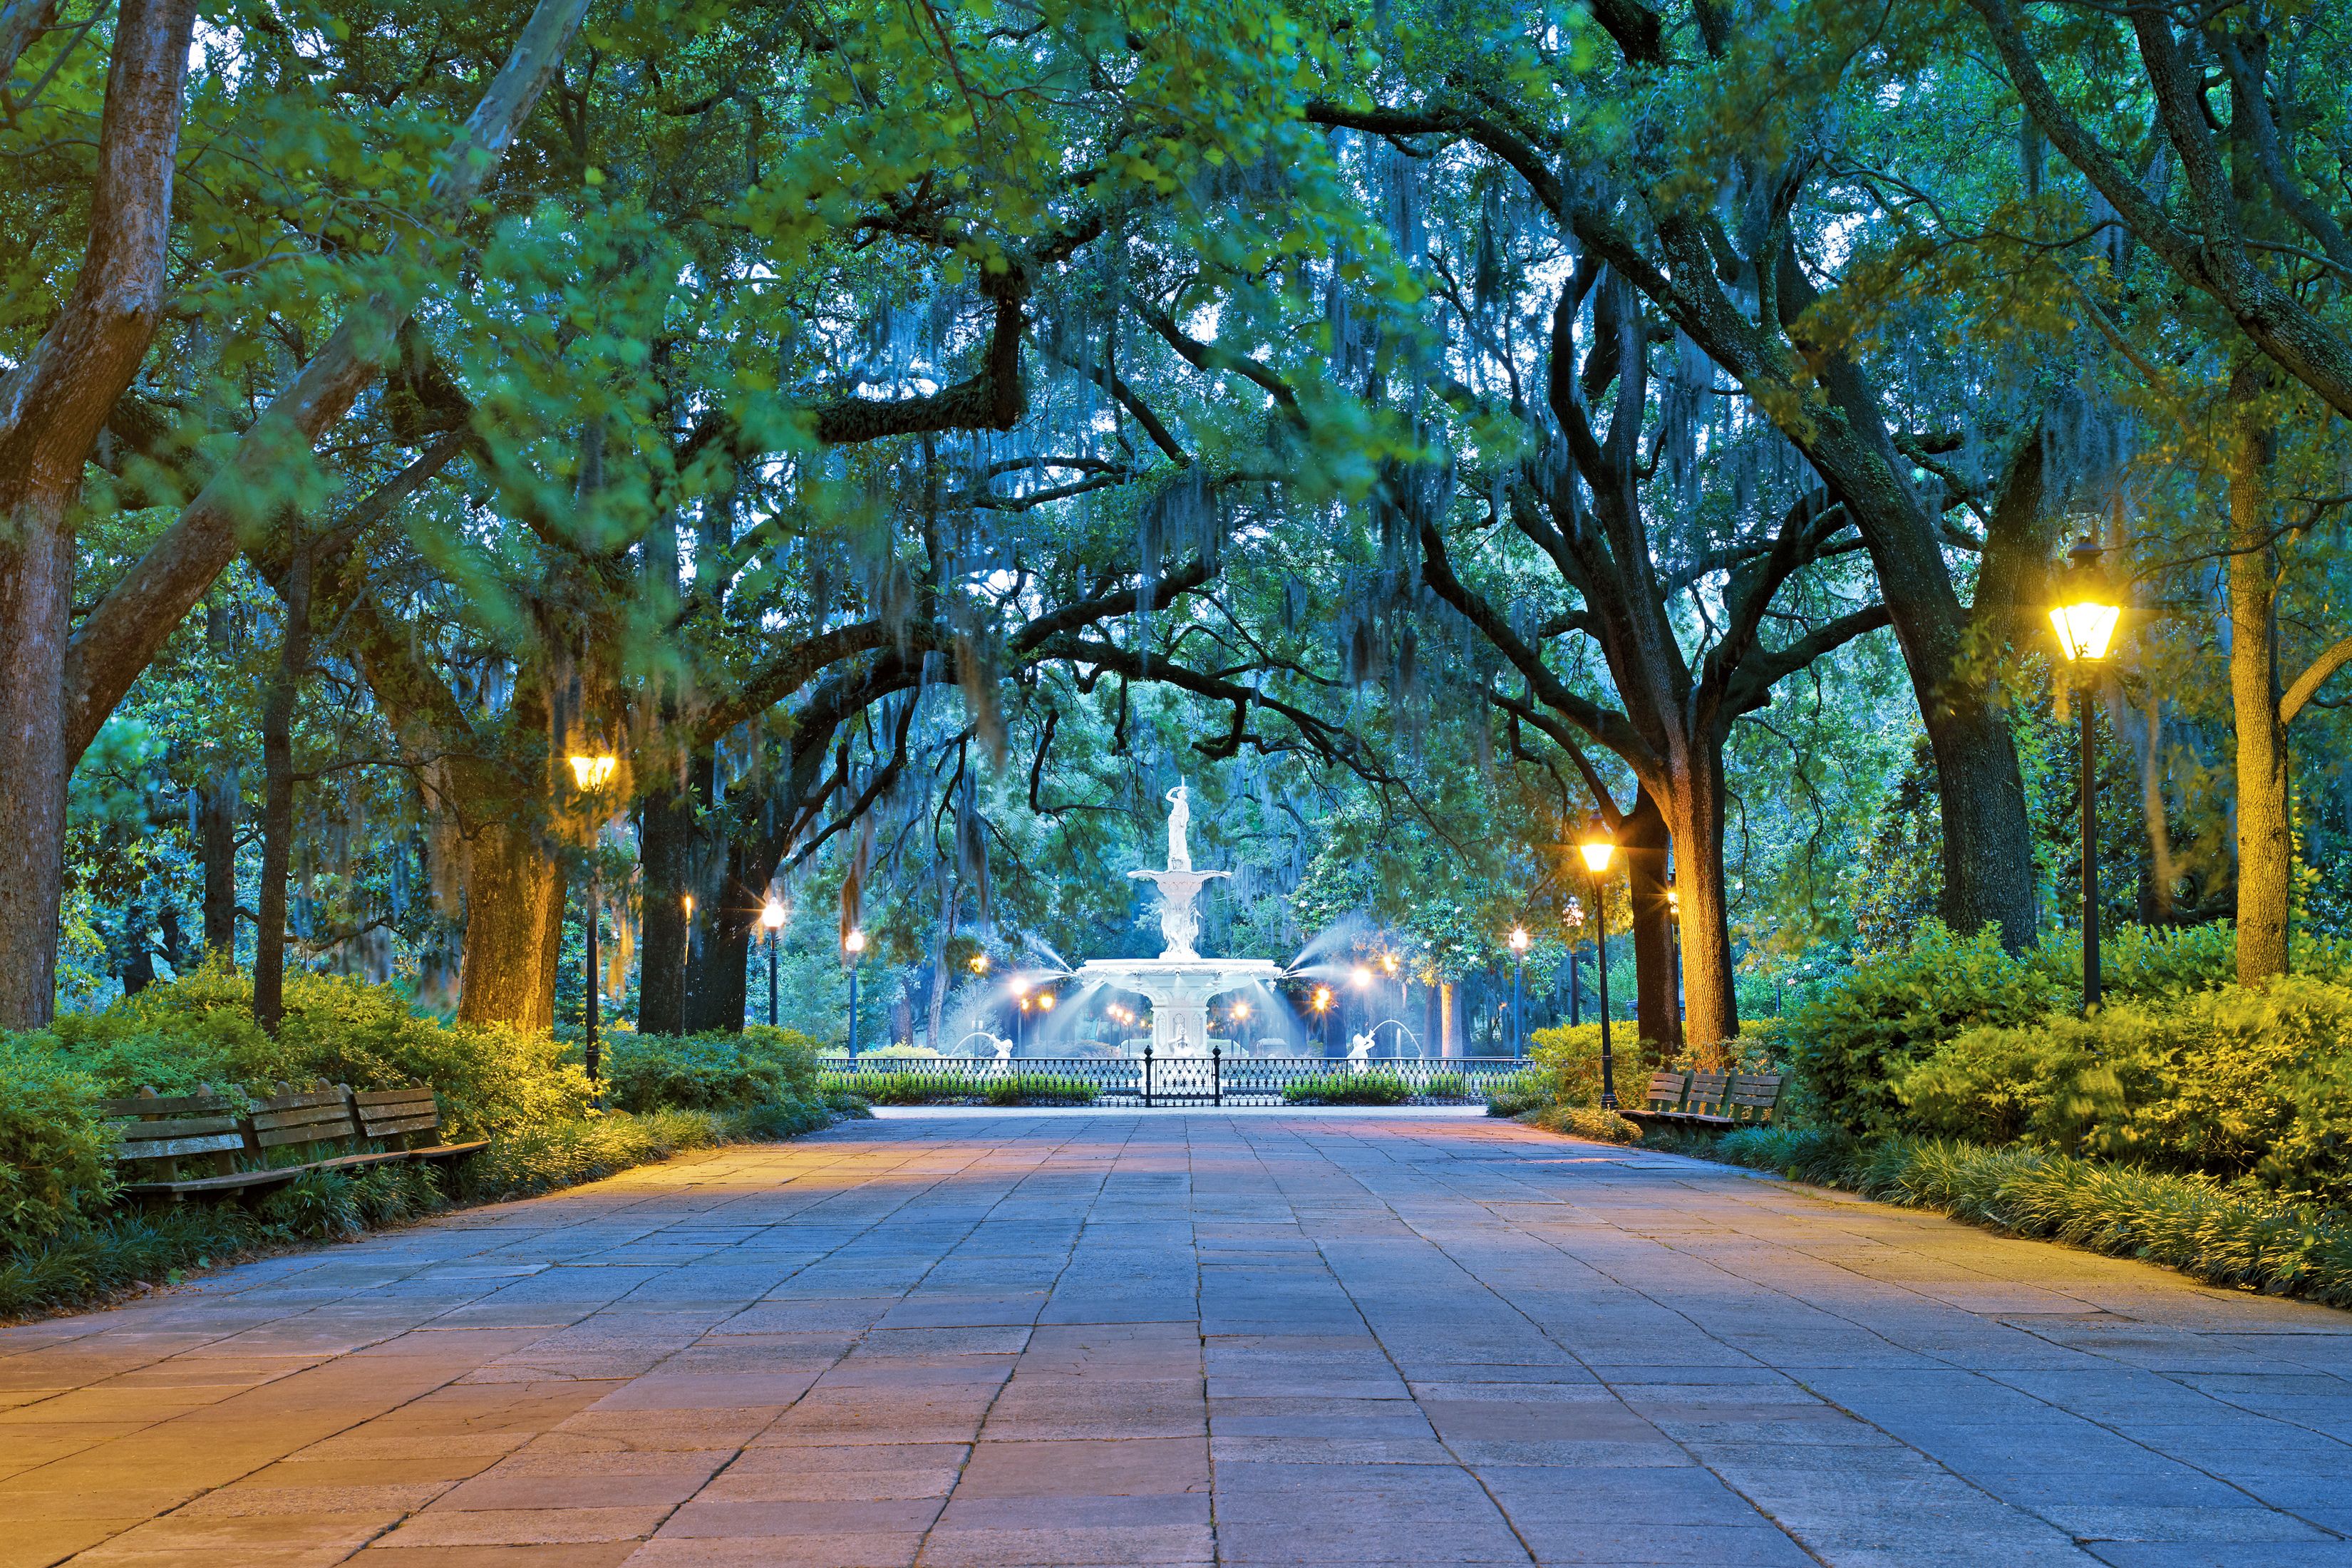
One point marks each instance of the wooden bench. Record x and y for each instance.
(410, 1120)
(178, 1146)
(317, 1125)
(1709, 1100)
(1664, 1100)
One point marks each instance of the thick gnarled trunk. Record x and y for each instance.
(1710, 1009)
(514, 926)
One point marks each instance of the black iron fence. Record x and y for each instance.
(1154, 1080)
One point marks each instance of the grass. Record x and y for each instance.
(2234, 1234)
(963, 1088)
(131, 1250)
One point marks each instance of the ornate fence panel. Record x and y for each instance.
(1164, 1080)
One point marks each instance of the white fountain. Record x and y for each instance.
(1180, 981)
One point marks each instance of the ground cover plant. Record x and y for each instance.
(1375, 1087)
(2238, 1234)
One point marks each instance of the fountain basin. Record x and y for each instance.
(1179, 990)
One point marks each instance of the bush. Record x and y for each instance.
(200, 1030)
(57, 1168)
(1852, 1045)
(961, 1089)
(1446, 1086)
(710, 1071)
(1348, 1088)
(541, 1159)
(1568, 1055)
(2230, 1083)
(1530, 1089)
(2145, 963)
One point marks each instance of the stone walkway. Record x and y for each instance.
(1076, 1338)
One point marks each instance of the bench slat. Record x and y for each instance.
(395, 1097)
(171, 1148)
(167, 1105)
(376, 1128)
(185, 1127)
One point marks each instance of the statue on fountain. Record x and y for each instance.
(1180, 819)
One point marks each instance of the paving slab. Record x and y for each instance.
(1054, 1340)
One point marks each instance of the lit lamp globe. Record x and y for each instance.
(2086, 614)
(1520, 938)
(980, 963)
(771, 915)
(1597, 849)
(855, 942)
(591, 771)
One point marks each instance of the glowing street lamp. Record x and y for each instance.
(771, 916)
(2086, 619)
(591, 771)
(980, 963)
(852, 946)
(1518, 956)
(1598, 849)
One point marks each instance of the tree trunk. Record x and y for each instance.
(514, 927)
(216, 844)
(278, 808)
(2265, 843)
(52, 406)
(1645, 837)
(666, 852)
(715, 993)
(1711, 1015)
(37, 566)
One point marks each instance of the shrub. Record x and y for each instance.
(1528, 1090)
(1849, 1048)
(1446, 1086)
(200, 1029)
(959, 1088)
(710, 1071)
(1348, 1088)
(1570, 1055)
(2145, 963)
(541, 1159)
(57, 1169)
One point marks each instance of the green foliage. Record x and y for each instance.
(317, 1205)
(565, 1153)
(91, 1262)
(1584, 1121)
(57, 1168)
(710, 1071)
(962, 1089)
(2236, 1235)
(1528, 1090)
(1568, 1055)
(1851, 1044)
(200, 1030)
(1348, 1088)
(2229, 1081)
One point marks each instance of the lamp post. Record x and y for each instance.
(853, 945)
(1518, 957)
(1597, 848)
(2086, 619)
(1321, 1003)
(1675, 947)
(771, 915)
(1574, 915)
(591, 771)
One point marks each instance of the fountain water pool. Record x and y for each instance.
(1180, 981)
